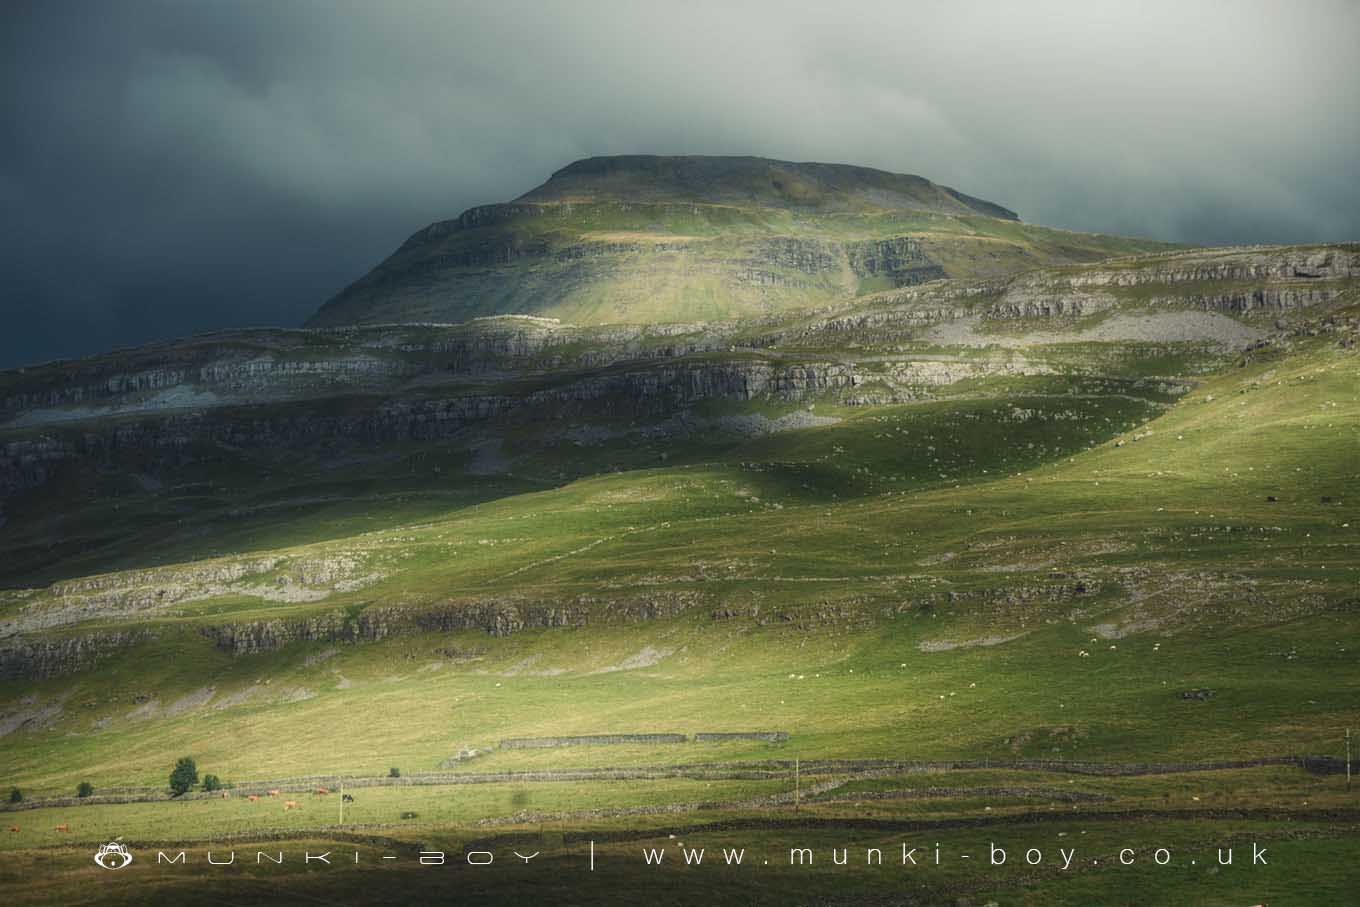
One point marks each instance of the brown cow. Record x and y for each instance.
(61, 827)
(322, 791)
(273, 793)
(290, 804)
(252, 797)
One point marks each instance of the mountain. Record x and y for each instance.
(673, 239)
(1035, 555)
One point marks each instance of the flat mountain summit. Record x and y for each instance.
(742, 180)
(653, 239)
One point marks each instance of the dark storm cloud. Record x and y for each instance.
(167, 168)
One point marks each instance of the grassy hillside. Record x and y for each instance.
(902, 541)
(1064, 559)
(901, 584)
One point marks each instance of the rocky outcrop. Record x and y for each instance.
(1287, 278)
(181, 437)
(1059, 302)
(901, 259)
(35, 659)
(120, 595)
(31, 462)
(213, 383)
(495, 617)
(114, 385)
(1272, 299)
(259, 636)
(1048, 304)
(1241, 264)
(148, 593)
(926, 373)
(810, 256)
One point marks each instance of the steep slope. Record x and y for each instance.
(667, 239)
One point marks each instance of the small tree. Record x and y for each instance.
(185, 775)
(84, 789)
(16, 795)
(212, 782)
(394, 772)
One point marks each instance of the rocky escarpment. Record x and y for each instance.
(901, 260)
(36, 655)
(255, 379)
(288, 365)
(182, 437)
(135, 594)
(1237, 282)
(496, 617)
(1248, 263)
(120, 595)
(258, 366)
(205, 371)
(1057, 301)
(34, 659)
(1284, 278)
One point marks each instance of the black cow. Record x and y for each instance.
(348, 799)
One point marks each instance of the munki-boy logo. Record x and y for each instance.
(113, 855)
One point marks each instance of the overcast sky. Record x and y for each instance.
(171, 168)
